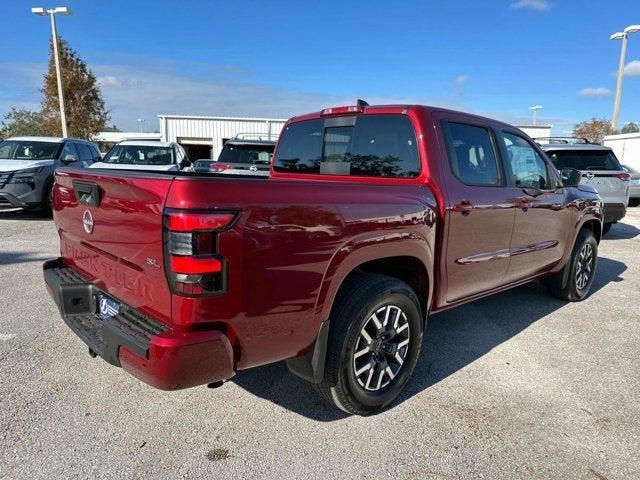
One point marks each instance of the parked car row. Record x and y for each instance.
(27, 164)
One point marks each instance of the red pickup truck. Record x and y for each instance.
(373, 218)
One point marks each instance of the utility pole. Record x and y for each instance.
(54, 34)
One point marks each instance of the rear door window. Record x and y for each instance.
(85, 152)
(472, 155)
(585, 159)
(371, 146)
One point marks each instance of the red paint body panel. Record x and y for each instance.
(294, 240)
(127, 231)
(287, 253)
(182, 361)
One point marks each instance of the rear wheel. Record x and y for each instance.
(634, 202)
(606, 227)
(374, 344)
(574, 281)
(47, 201)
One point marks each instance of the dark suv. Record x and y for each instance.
(27, 165)
(245, 154)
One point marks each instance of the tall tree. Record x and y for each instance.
(84, 105)
(593, 130)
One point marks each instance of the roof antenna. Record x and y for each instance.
(361, 103)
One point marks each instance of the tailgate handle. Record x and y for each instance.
(87, 192)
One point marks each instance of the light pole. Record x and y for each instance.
(54, 33)
(623, 51)
(141, 122)
(535, 109)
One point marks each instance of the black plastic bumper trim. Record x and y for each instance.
(76, 299)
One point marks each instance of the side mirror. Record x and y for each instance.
(185, 162)
(570, 177)
(70, 158)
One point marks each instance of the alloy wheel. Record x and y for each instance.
(381, 348)
(584, 268)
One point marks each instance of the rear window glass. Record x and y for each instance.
(248, 154)
(376, 146)
(471, 154)
(140, 155)
(584, 159)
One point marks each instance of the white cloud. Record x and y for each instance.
(594, 92)
(460, 80)
(537, 5)
(109, 80)
(632, 69)
(145, 88)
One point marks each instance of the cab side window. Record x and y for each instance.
(528, 167)
(472, 155)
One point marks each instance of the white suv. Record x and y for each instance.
(145, 155)
(600, 169)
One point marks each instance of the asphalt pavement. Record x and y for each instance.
(518, 385)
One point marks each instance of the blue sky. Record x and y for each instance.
(278, 59)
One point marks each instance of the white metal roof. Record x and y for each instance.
(146, 143)
(37, 139)
(231, 119)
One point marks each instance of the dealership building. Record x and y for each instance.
(204, 136)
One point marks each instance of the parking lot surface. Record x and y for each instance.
(518, 385)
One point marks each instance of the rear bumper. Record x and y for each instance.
(21, 194)
(613, 212)
(10, 200)
(148, 350)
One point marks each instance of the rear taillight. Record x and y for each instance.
(219, 167)
(625, 177)
(192, 261)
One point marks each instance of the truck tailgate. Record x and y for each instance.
(110, 229)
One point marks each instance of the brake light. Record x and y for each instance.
(188, 222)
(193, 264)
(219, 167)
(625, 177)
(340, 110)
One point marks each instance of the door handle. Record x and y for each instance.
(464, 207)
(524, 203)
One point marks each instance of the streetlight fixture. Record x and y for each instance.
(52, 12)
(535, 109)
(623, 52)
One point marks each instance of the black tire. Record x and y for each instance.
(575, 287)
(363, 296)
(47, 200)
(634, 202)
(606, 227)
